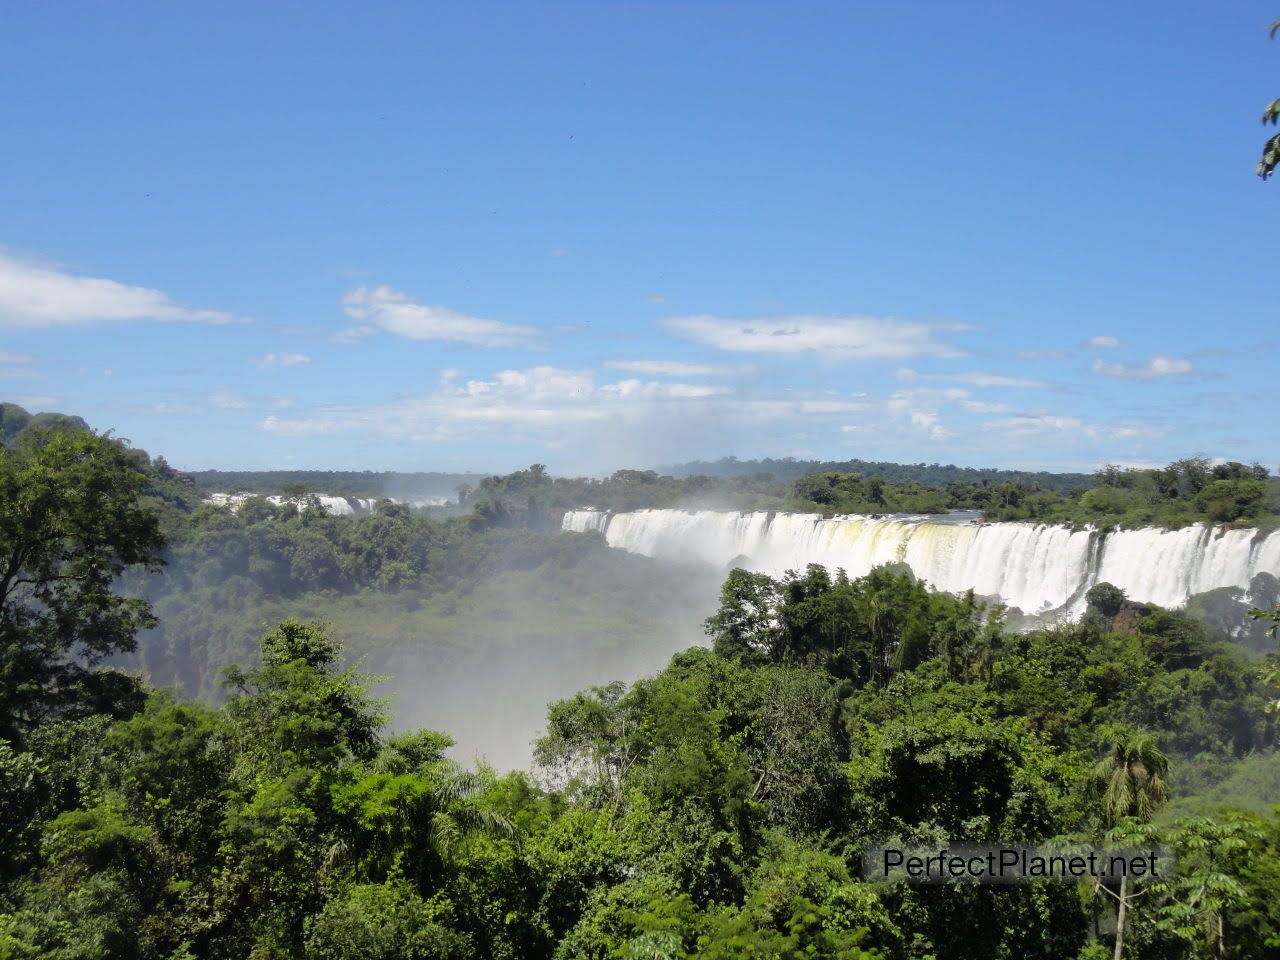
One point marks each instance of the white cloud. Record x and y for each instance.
(1157, 366)
(392, 311)
(934, 398)
(982, 406)
(846, 337)
(1042, 355)
(226, 400)
(177, 408)
(8, 358)
(18, 373)
(36, 296)
(352, 334)
(1034, 425)
(284, 360)
(922, 408)
(677, 368)
(995, 380)
(1130, 431)
(1107, 343)
(560, 401)
(975, 378)
(929, 424)
(926, 397)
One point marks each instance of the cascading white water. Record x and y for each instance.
(1035, 567)
(339, 506)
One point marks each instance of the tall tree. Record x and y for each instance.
(71, 522)
(1132, 781)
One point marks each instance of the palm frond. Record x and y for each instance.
(1270, 158)
(444, 833)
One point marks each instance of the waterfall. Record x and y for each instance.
(339, 506)
(1034, 567)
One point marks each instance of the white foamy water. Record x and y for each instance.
(1035, 567)
(339, 506)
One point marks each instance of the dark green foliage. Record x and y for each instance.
(1187, 491)
(386, 921)
(932, 474)
(717, 809)
(864, 630)
(15, 422)
(71, 522)
(1271, 149)
(1105, 599)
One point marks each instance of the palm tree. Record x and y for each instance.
(1271, 149)
(1131, 782)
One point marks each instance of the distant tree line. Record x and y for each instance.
(927, 474)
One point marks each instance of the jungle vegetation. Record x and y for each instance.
(716, 808)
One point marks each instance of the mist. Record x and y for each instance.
(486, 667)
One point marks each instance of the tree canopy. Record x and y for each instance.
(71, 522)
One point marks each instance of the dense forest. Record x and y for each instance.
(1192, 490)
(929, 474)
(719, 807)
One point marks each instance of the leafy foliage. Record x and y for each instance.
(1271, 115)
(71, 522)
(717, 808)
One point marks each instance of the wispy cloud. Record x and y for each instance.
(14, 358)
(1045, 424)
(677, 368)
(1157, 366)
(390, 310)
(37, 296)
(1107, 343)
(973, 378)
(1034, 425)
(929, 424)
(1043, 355)
(845, 337)
(553, 403)
(227, 400)
(352, 334)
(922, 409)
(284, 360)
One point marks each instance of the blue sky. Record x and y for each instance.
(475, 236)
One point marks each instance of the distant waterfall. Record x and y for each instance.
(339, 506)
(1035, 567)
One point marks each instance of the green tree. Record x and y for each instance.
(386, 921)
(1206, 889)
(1107, 599)
(71, 523)
(1131, 782)
(1271, 115)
